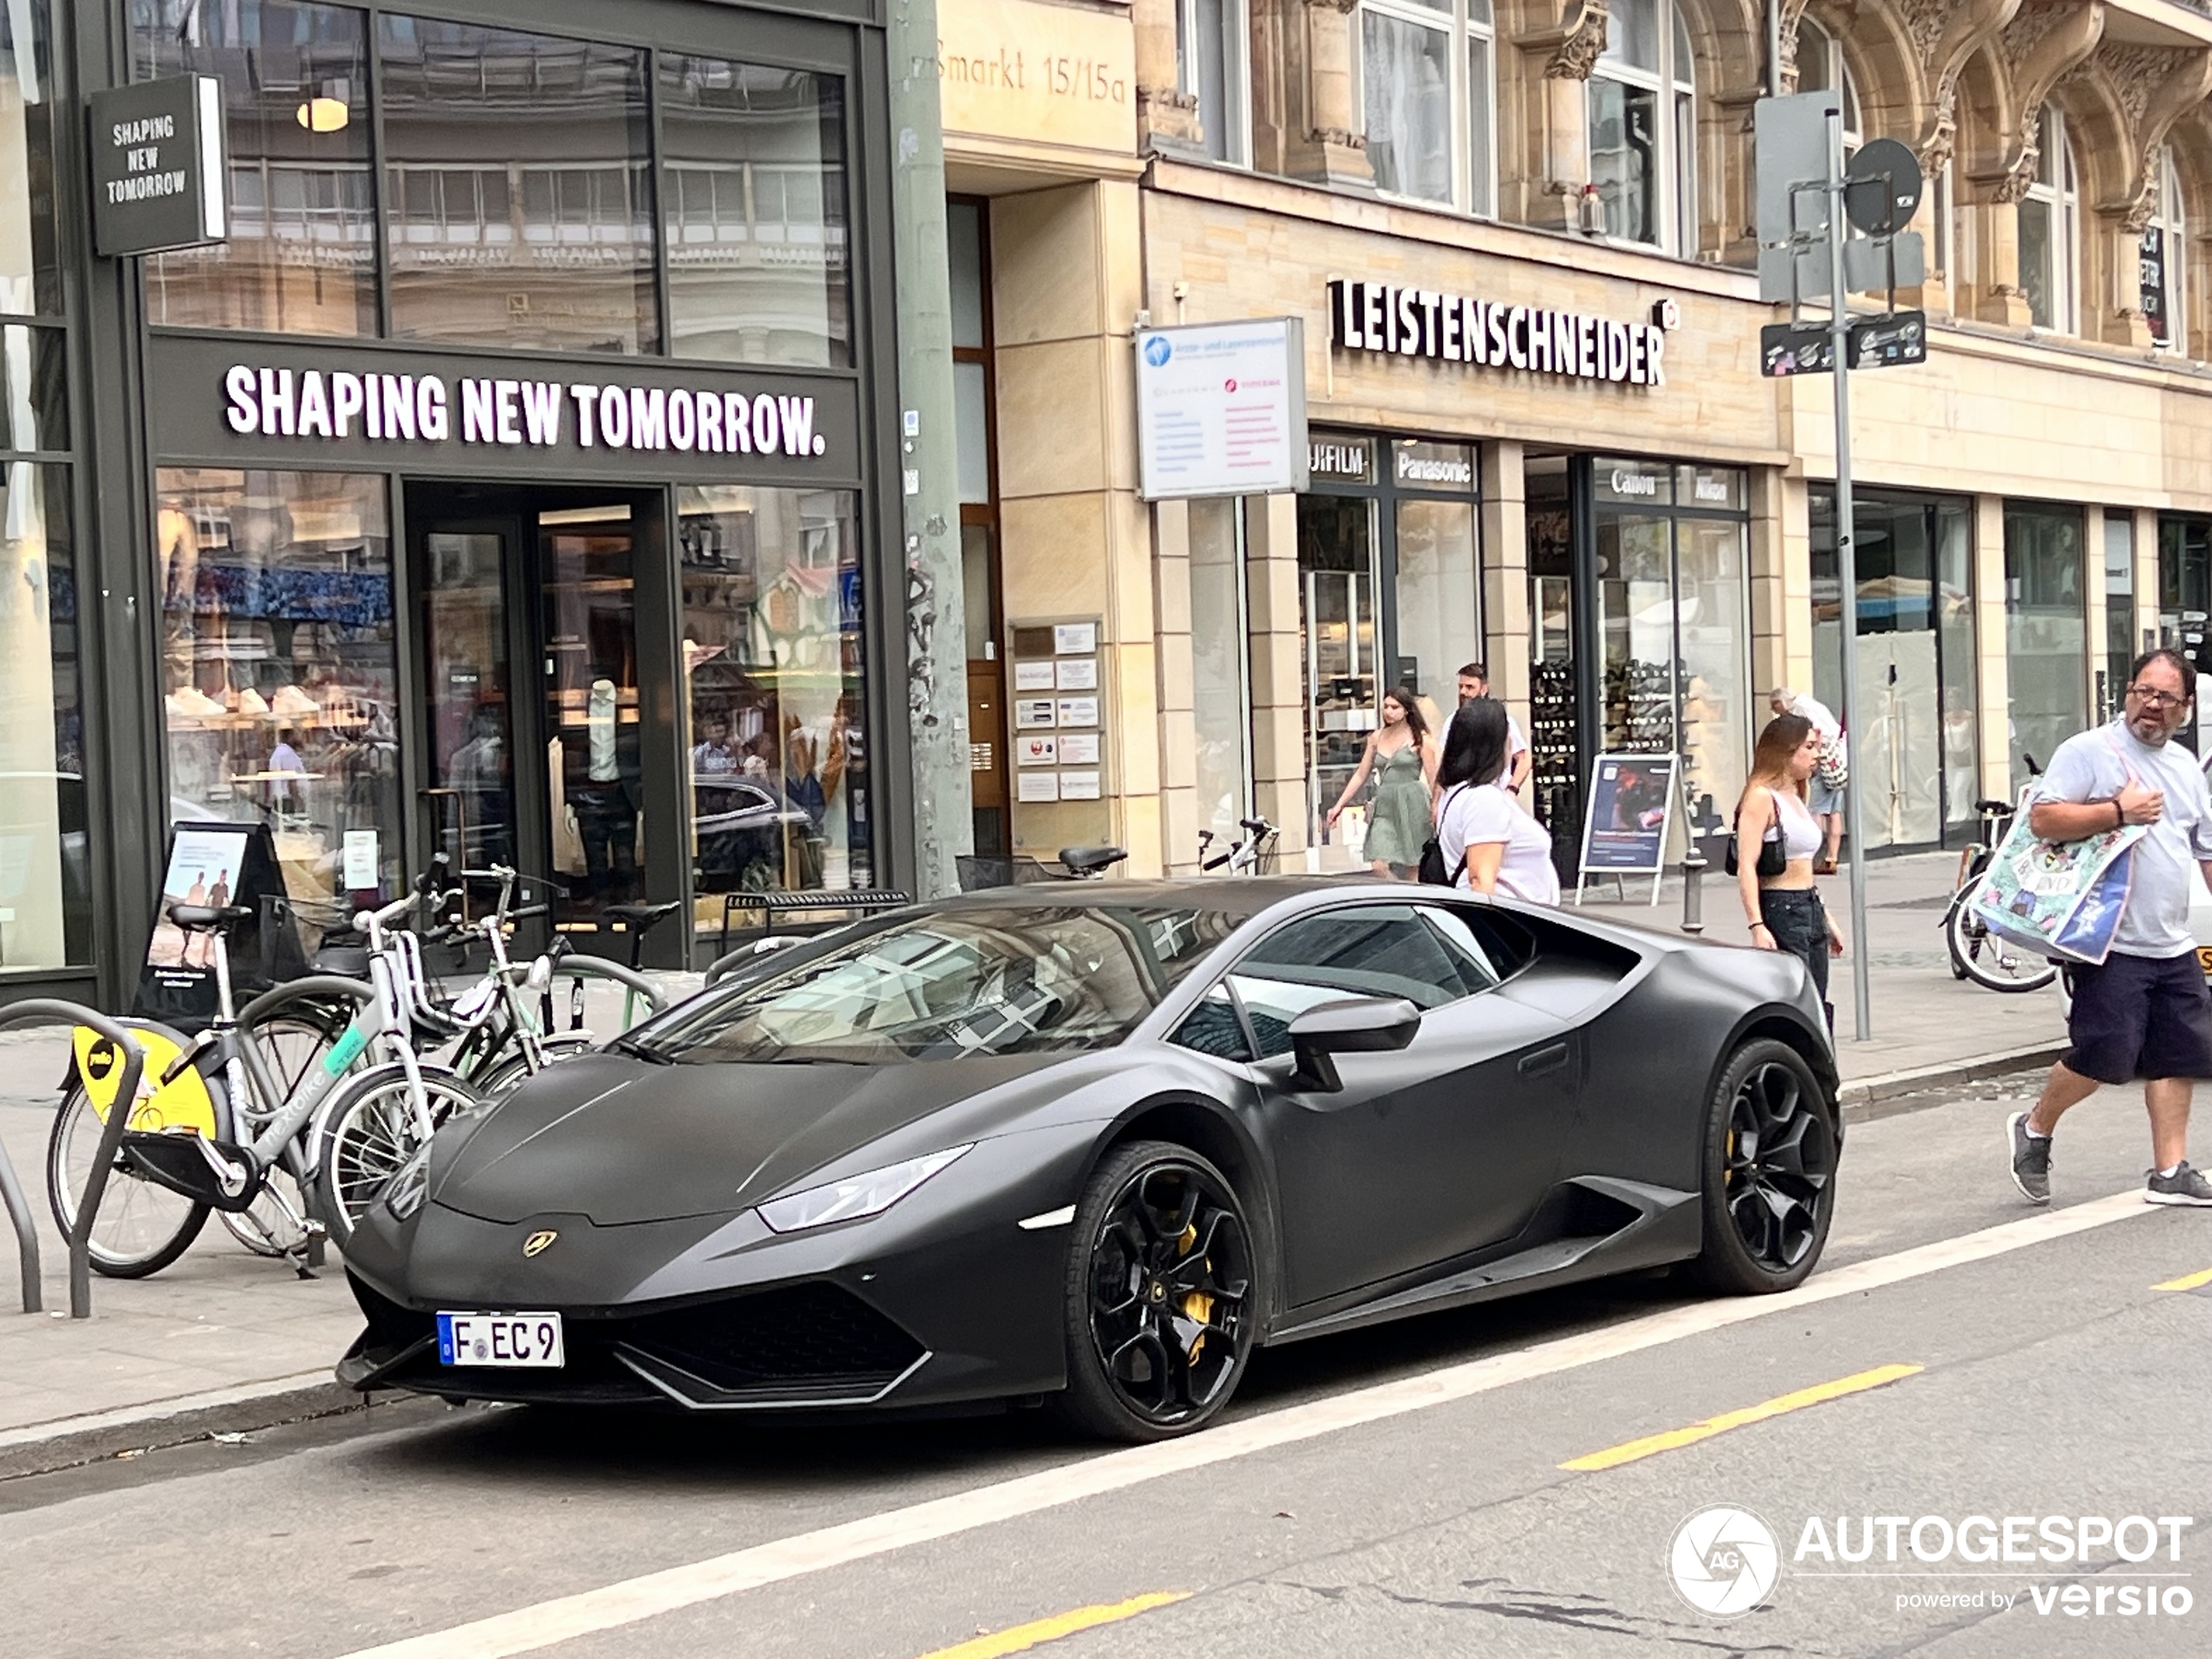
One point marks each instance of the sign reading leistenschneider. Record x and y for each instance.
(1221, 409)
(1384, 318)
(159, 176)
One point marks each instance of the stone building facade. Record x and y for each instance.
(1638, 562)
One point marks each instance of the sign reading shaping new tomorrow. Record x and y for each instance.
(159, 177)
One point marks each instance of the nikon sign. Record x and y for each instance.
(158, 171)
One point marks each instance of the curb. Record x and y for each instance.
(68, 1442)
(1862, 1096)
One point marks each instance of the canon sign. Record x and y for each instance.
(1458, 328)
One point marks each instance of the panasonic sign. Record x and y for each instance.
(1382, 318)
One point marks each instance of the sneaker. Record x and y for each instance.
(2032, 1162)
(2185, 1185)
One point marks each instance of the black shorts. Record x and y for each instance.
(2141, 1016)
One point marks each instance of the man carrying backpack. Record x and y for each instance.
(2144, 1013)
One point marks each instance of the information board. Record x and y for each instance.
(1221, 409)
(215, 864)
(1631, 809)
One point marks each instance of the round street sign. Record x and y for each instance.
(1882, 188)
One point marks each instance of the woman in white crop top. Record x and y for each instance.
(1785, 911)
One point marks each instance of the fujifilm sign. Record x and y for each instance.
(1458, 328)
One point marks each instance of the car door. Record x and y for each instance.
(1428, 1153)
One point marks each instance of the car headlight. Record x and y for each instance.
(861, 1194)
(404, 1192)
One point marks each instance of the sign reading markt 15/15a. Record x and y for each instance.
(159, 177)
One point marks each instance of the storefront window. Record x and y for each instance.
(45, 854)
(279, 670)
(1916, 731)
(29, 259)
(517, 202)
(1219, 689)
(34, 388)
(1439, 625)
(1340, 647)
(772, 660)
(752, 212)
(1673, 620)
(2120, 608)
(2045, 631)
(302, 257)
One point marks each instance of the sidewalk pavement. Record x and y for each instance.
(1928, 1027)
(222, 1341)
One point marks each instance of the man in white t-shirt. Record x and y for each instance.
(1474, 681)
(1827, 804)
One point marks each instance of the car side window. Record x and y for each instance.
(1365, 950)
(1212, 1028)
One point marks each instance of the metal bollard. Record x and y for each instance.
(26, 1227)
(1693, 897)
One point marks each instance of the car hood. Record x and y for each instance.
(624, 1140)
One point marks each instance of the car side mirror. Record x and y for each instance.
(1354, 1025)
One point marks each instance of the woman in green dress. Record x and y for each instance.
(1402, 755)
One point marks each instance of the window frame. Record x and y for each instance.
(1462, 23)
(1673, 86)
(2169, 217)
(2056, 188)
(1235, 69)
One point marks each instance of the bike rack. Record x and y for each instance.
(575, 965)
(48, 1010)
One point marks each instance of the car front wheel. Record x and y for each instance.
(1160, 1303)
(1769, 1171)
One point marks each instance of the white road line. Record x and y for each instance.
(527, 1629)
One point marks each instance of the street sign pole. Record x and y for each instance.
(1847, 578)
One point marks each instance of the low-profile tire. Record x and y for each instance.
(1160, 1303)
(1769, 1168)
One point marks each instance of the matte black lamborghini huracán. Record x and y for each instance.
(1098, 1140)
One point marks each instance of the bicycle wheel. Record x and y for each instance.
(142, 1227)
(295, 1036)
(507, 1068)
(371, 1130)
(1979, 956)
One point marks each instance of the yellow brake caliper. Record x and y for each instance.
(1197, 1304)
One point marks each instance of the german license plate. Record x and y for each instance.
(499, 1340)
(2204, 957)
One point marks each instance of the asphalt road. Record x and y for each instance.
(1399, 1492)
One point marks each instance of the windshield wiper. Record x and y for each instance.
(638, 1050)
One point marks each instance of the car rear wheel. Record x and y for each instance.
(1769, 1171)
(1160, 1310)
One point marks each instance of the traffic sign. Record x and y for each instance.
(1808, 348)
(1882, 186)
(1884, 342)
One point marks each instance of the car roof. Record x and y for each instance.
(1239, 896)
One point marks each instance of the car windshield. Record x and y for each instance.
(953, 984)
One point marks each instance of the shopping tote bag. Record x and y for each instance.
(2058, 899)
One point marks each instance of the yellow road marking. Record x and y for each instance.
(1630, 1451)
(1023, 1637)
(2186, 1282)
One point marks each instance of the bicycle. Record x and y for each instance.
(1977, 953)
(217, 1125)
(1252, 853)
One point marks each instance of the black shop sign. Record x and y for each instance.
(158, 178)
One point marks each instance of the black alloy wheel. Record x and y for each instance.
(1770, 1157)
(1160, 1309)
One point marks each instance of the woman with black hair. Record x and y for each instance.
(1489, 845)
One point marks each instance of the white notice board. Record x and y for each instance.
(1221, 409)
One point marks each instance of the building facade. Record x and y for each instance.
(1519, 238)
(506, 484)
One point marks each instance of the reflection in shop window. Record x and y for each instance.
(2046, 631)
(773, 670)
(302, 257)
(552, 249)
(45, 856)
(29, 261)
(753, 212)
(279, 670)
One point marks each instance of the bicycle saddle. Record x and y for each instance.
(1089, 860)
(349, 961)
(638, 917)
(1992, 806)
(200, 918)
